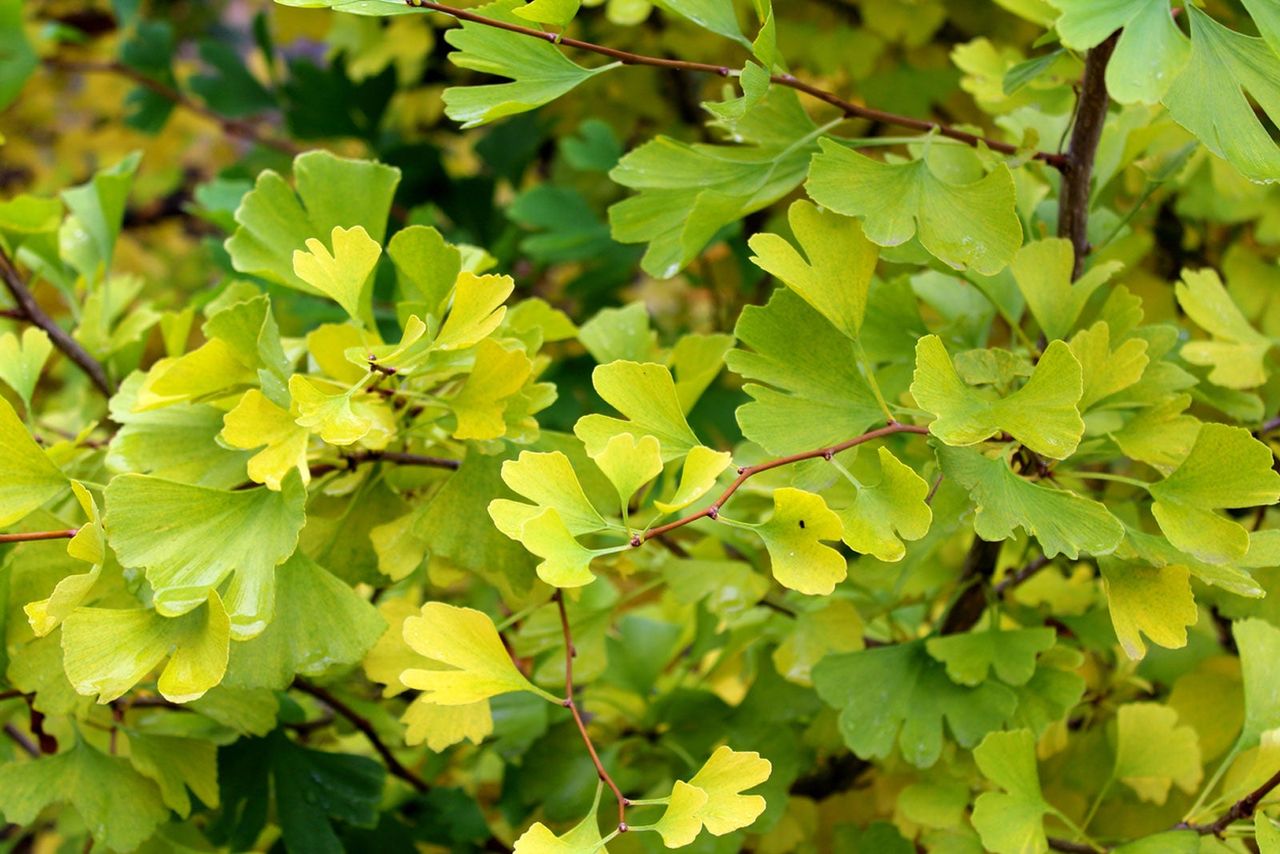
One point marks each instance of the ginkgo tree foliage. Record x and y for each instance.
(577, 426)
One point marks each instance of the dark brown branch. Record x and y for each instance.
(21, 740)
(712, 510)
(394, 765)
(235, 127)
(33, 313)
(398, 457)
(1077, 174)
(848, 108)
(1070, 847)
(979, 564)
(1013, 579)
(571, 704)
(32, 536)
(1240, 810)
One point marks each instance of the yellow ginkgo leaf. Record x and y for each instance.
(701, 468)
(682, 822)
(477, 310)
(629, 464)
(499, 374)
(724, 777)
(466, 640)
(345, 274)
(255, 422)
(583, 839)
(441, 727)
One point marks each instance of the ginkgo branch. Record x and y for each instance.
(235, 127)
(361, 723)
(33, 313)
(848, 108)
(33, 536)
(712, 510)
(1239, 811)
(28, 746)
(398, 457)
(571, 704)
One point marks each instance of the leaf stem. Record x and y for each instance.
(847, 108)
(1240, 810)
(32, 536)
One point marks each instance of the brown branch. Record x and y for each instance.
(21, 740)
(1013, 579)
(712, 510)
(33, 313)
(398, 457)
(1077, 174)
(848, 108)
(394, 765)
(235, 127)
(1070, 847)
(979, 564)
(571, 704)
(1240, 810)
(32, 536)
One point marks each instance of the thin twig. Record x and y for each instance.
(360, 722)
(33, 313)
(571, 704)
(1058, 844)
(32, 536)
(1240, 810)
(848, 108)
(21, 740)
(235, 127)
(398, 457)
(1013, 579)
(712, 510)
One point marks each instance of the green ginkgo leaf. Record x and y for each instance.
(1227, 468)
(106, 652)
(176, 765)
(1144, 599)
(630, 464)
(646, 395)
(344, 275)
(835, 627)
(1012, 821)
(1062, 522)
(557, 13)
(539, 71)
(1208, 97)
(697, 477)
(1237, 351)
(22, 360)
(887, 512)
(970, 657)
(1106, 371)
(1042, 415)
(834, 273)
(466, 641)
(802, 397)
(1153, 752)
(548, 480)
(1043, 272)
(793, 535)
(680, 824)
(190, 539)
(1259, 645)
(967, 225)
(29, 478)
(273, 221)
(1149, 54)
(120, 807)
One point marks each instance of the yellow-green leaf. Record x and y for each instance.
(343, 276)
(28, 478)
(466, 641)
(792, 535)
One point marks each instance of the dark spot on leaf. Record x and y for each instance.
(801, 523)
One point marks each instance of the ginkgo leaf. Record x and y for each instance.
(646, 395)
(965, 225)
(724, 777)
(498, 375)
(1155, 601)
(1149, 54)
(630, 464)
(344, 275)
(89, 545)
(1259, 645)
(1042, 415)
(1237, 351)
(793, 535)
(22, 360)
(969, 657)
(565, 561)
(106, 652)
(341, 416)
(1012, 821)
(257, 421)
(584, 838)
(888, 512)
(119, 806)
(837, 627)
(1208, 97)
(1043, 272)
(1154, 753)
(815, 395)
(1227, 468)
(539, 71)
(680, 823)
(834, 273)
(1063, 522)
(1106, 371)
(465, 640)
(557, 13)
(697, 477)
(476, 312)
(273, 221)
(30, 478)
(177, 764)
(548, 480)
(899, 695)
(189, 539)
